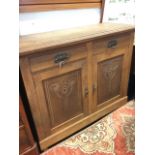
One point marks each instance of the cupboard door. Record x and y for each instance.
(62, 95)
(108, 79)
(111, 64)
(109, 71)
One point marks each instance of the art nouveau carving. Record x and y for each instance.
(109, 78)
(110, 72)
(62, 89)
(63, 94)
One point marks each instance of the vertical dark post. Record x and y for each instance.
(102, 10)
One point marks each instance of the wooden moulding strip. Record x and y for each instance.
(48, 7)
(31, 2)
(81, 123)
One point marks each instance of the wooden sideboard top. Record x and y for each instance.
(36, 42)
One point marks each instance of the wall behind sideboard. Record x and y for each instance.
(120, 11)
(37, 22)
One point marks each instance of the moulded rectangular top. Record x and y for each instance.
(39, 42)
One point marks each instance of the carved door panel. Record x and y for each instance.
(108, 78)
(61, 91)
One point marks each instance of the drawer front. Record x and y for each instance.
(111, 44)
(57, 57)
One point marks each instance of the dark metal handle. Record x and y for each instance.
(112, 43)
(86, 91)
(94, 87)
(61, 57)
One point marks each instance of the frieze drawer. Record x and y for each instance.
(111, 44)
(57, 57)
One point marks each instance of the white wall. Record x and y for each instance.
(37, 22)
(119, 11)
(115, 11)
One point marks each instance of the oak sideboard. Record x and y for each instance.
(74, 77)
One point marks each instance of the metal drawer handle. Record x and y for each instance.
(61, 57)
(112, 44)
(94, 88)
(86, 92)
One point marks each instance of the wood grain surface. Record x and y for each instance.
(43, 41)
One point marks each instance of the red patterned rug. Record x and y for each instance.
(112, 135)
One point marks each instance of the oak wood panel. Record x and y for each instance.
(64, 97)
(108, 79)
(52, 7)
(99, 85)
(41, 42)
(26, 2)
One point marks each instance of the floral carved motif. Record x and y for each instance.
(63, 88)
(109, 73)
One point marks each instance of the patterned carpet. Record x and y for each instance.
(112, 135)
